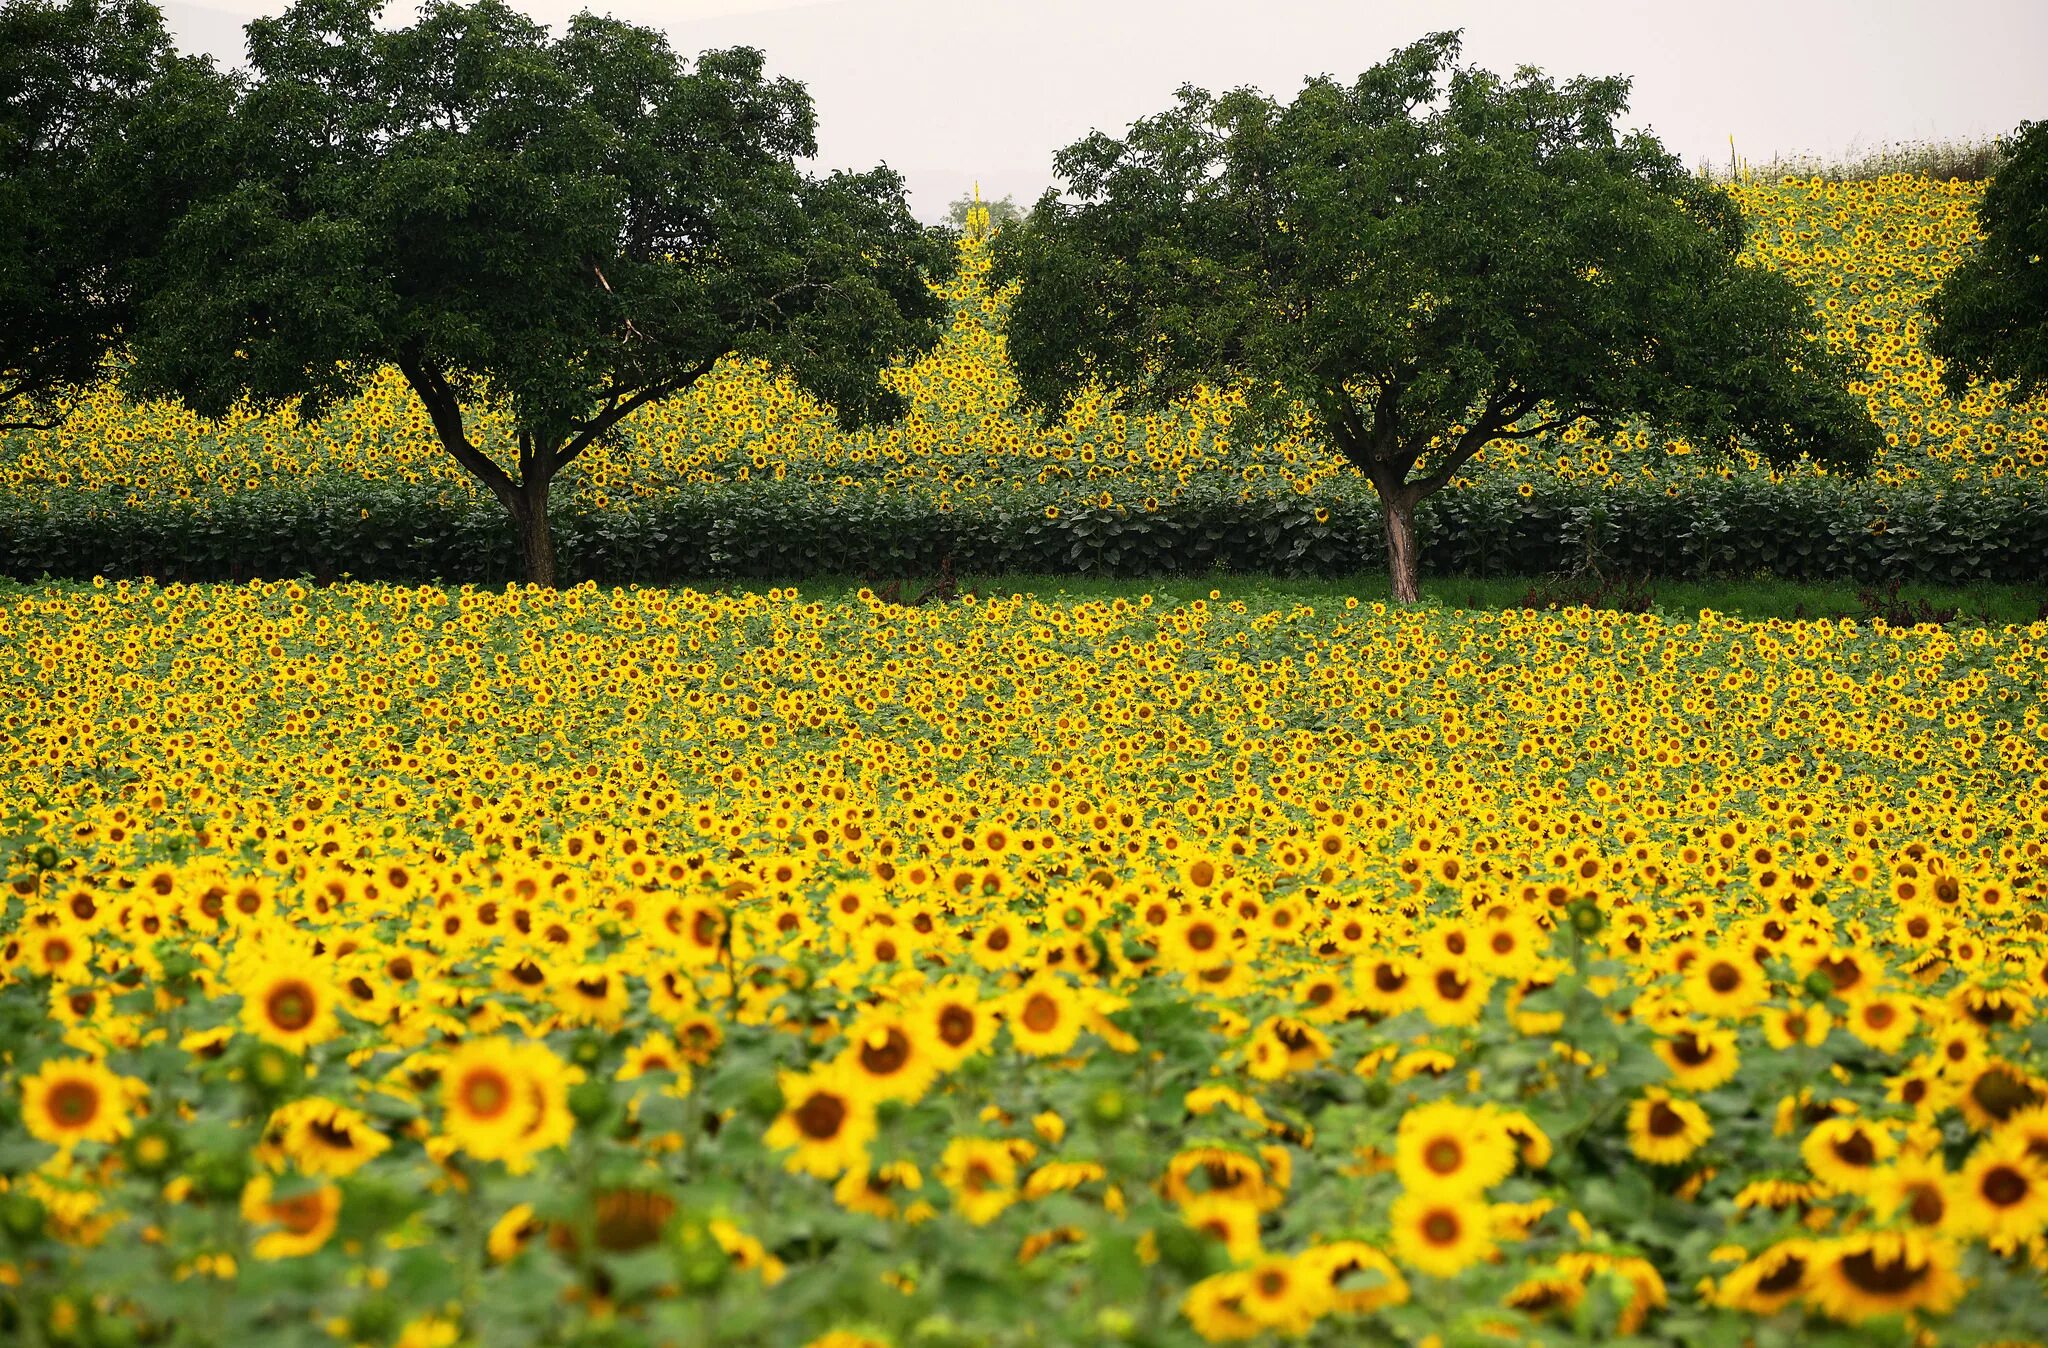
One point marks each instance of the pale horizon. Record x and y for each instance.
(952, 95)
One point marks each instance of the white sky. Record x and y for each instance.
(951, 91)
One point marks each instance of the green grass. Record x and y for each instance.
(1757, 599)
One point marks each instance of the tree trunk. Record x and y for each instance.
(1402, 560)
(536, 539)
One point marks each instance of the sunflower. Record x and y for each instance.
(320, 1137)
(1847, 1152)
(1998, 1090)
(1804, 1023)
(1281, 1295)
(1914, 1189)
(876, 1191)
(2002, 1193)
(513, 1232)
(1725, 986)
(1044, 1016)
(1384, 985)
(1700, 1058)
(1441, 1236)
(592, 994)
(1359, 1277)
(288, 1001)
(75, 1100)
(888, 1057)
(1452, 992)
(825, 1123)
(1447, 1150)
(1215, 1307)
(1880, 1273)
(982, 1176)
(1664, 1129)
(1771, 1281)
(487, 1103)
(957, 1025)
(1231, 1222)
(1884, 1023)
(295, 1225)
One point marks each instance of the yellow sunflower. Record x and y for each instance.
(75, 1100)
(287, 1001)
(2002, 1193)
(1447, 1150)
(295, 1225)
(1881, 1273)
(1441, 1236)
(1664, 1129)
(825, 1124)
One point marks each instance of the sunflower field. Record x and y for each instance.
(747, 476)
(422, 966)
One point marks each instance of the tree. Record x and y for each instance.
(104, 129)
(1000, 213)
(564, 227)
(1413, 266)
(1991, 313)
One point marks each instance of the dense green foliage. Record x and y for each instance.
(1802, 528)
(565, 227)
(104, 130)
(1991, 315)
(1420, 263)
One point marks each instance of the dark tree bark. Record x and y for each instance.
(1403, 563)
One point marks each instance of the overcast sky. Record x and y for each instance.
(951, 91)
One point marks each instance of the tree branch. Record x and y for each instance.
(445, 411)
(619, 408)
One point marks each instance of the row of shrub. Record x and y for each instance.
(1804, 529)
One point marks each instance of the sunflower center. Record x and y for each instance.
(1883, 1277)
(821, 1117)
(331, 1134)
(74, 1104)
(2003, 1186)
(1724, 978)
(1441, 1227)
(1665, 1121)
(889, 1056)
(1387, 978)
(298, 1215)
(1856, 1150)
(1450, 987)
(1272, 1284)
(1688, 1049)
(1786, 1276)
(1041, 1013)
(1878, 1015)
(956, 1025)
(1201, 936)
(1443, 1155)
(290, 1006)
(2001, 1094)
(486, 1093)
(1928, 1207)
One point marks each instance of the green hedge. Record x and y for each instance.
(1808, 529)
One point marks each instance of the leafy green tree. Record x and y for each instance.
(1415, 265)
(563, 227)
(1991, 313)
(1000, 213)
(104, 129)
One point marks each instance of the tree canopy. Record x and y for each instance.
(564, 226)
(104, 131)
(1415, 264)
(1991, 313)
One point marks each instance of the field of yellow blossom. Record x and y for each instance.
(123, 488)
(422, 966)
